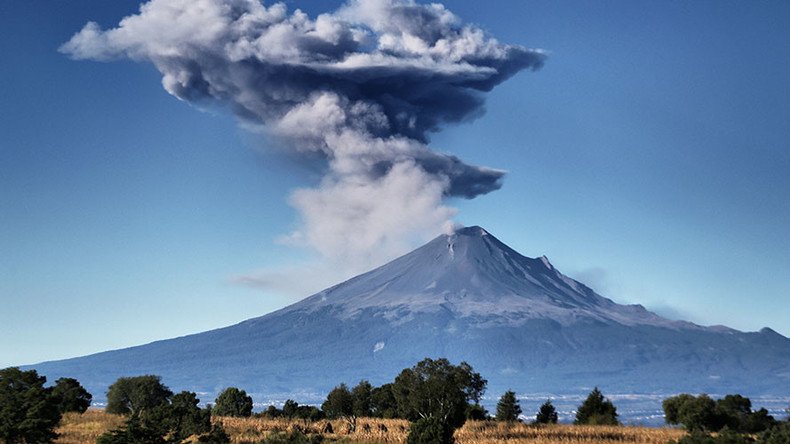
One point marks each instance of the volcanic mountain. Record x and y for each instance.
(465, 296)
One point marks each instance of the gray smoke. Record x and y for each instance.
(361, 87)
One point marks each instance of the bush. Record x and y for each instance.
(28, 411)
(233, 402)
(596, 410)
(779, 434)
(133, 432)
(217, 435)
(725, 437)
(430, 430)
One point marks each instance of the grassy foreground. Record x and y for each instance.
(85, 428)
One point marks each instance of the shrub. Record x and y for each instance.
(727, 436)
(431, 430)
(779, 434)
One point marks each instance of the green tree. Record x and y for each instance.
(476, 412)
(233, 402)
(508, 407)
(340, 404)
(290, 408)
(699, 413)
(132, 395)
(184, 418)
(596, 410)
(72, 395)
(703, 413)
(430, 430)
(28, 411)
(438, 390)
(362, 399)
(672, 405)
(170, 422)
(309, 413)
(758, 421)
(733, 411)
(383, 404)
(271, 412)
(547, 414)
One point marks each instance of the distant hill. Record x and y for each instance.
(467, 296)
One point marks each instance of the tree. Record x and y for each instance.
(438, 390)
(170, 422)
(184, 418)
(508, 408)
(340, 404)
(699, 413)
(28, 411)
(290, 408)
(758, 421)
(132, 395)
(362, 395)
(382, 402)
(309, 413)
(547, 414)
(233, 402)
(596, 410)
(72, 396)
(271, 412)
(672, 405)
(476, 412)
(703, 413)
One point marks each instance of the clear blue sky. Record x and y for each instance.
(649, 158)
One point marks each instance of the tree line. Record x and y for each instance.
(435, 396)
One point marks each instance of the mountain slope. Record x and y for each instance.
(466, 296)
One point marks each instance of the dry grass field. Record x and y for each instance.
(85, 428)
(78, 429)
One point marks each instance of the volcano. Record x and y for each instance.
(468, 297)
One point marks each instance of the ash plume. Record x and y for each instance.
(361, 87)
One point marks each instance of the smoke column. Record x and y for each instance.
(361, 88)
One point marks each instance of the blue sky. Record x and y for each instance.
(649, 158)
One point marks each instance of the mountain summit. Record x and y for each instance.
(464, 296)
(471, 274)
